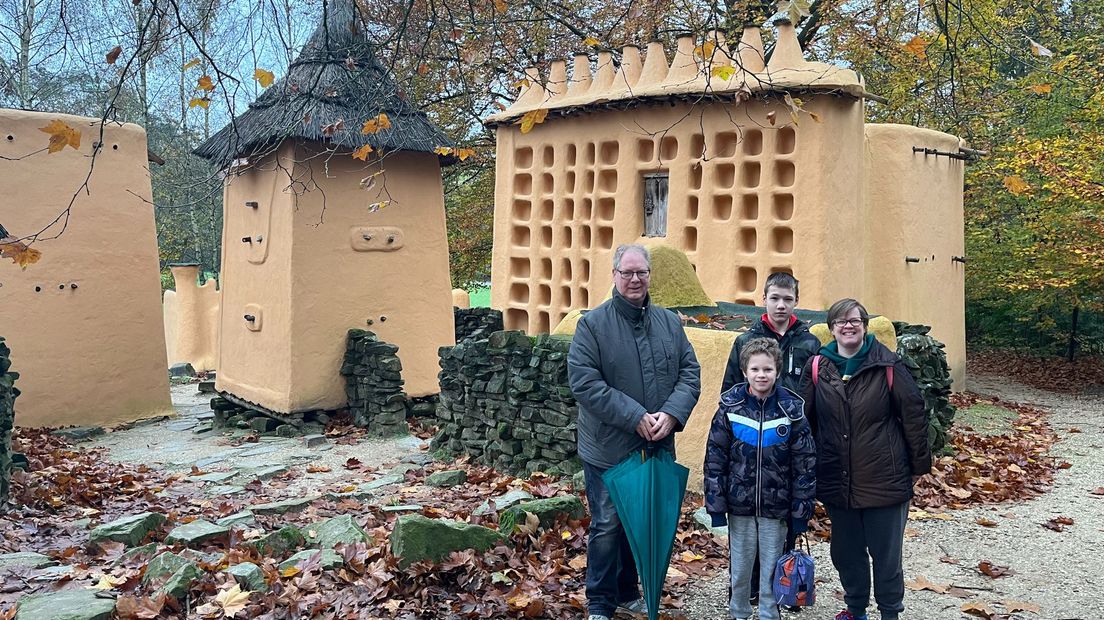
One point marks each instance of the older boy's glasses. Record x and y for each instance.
(846, 322)
(628, 275)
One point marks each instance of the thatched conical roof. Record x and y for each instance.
(336, 77)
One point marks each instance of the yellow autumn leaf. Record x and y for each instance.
(1016, 185)
(522, 83)
(200, 102)
(723, 72)
(107, 582)
(917, 46)
(531, 118)
(362, 152)
(370, 127)
(61, 135)
(690, 556)
(814, 116)
(264, 78)
(20, 254)
(591, 41)
(233, 600)
(443, 150)
(205, 83)
(705, 50)
(465, 153)
(565, 534)
(290, 571)
(376, 206)
(191, 63)
(1040, 89)
(384, 121)
(500, 6)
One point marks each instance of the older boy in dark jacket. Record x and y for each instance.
(760, 465)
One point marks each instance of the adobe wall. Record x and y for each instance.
(745, 198)
(914, 209)
(402, 286)
(325, 265)
(254, 358)
(85, 322)
(191, 319)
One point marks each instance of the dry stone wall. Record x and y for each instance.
(8, 392)
(506, 402)
(476, 323)
(374, 384)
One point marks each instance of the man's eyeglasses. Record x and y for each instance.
(628, 275)
(845, 322)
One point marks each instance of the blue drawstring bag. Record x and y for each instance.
(794, 582)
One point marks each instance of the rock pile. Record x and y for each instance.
(373, 384)
(505, 401)
(8, 392)
(476, 323)
(927, 362)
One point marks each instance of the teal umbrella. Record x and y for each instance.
(647, 490)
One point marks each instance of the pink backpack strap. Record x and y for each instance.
(889, 377)
(816, 368)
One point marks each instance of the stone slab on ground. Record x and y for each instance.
(66, 605)
(330, 559)
(280, 542)
(402, 508)
(78, 433)
(416, 538)
(131, 530)
(382, 481)
(341, 529)
(294, 504)
(249, 576)
(547, 510)
(504, 501)
(181, 574)
(245, 517)
(215, 476)
(447, 478)
(224, 489)
(262, 473)
(196, 532)
(25, 559)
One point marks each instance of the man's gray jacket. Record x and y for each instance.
(625, 362)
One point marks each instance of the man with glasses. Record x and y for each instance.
(636, 380)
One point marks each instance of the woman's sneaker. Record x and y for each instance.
(847, 615)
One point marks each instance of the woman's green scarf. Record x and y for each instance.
(847, 365)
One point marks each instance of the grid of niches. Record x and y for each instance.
(743, 189)
(563, 205)
(672, 153)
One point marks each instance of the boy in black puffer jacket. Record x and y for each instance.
(760, 465)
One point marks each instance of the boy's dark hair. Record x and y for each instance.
(756, 346)
(781, 279)
(844, 306)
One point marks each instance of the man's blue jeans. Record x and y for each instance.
(611, 576)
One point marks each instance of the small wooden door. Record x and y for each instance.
(655, 205)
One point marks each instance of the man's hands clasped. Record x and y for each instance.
(656, 426)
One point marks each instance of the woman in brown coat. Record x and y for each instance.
(871, 432)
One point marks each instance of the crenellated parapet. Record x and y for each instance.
(712, 67)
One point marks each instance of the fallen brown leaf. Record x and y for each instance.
(985, 567)
(981, 610)
(921, 583)
(1013, 606)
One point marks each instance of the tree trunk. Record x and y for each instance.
(26, 33)
(1071, 349)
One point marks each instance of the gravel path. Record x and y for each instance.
(1057, 571)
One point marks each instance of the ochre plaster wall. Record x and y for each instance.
(310, 286)
(255, 364)
(94, 354)
(712, 348)
(191, 319)
(745, 198)
(914, 209)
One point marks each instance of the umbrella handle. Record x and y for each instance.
(648, 450)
